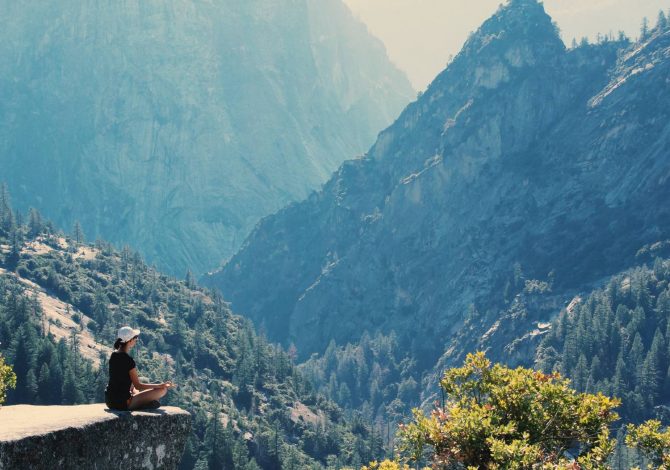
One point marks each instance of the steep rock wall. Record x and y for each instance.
(175, 126)
(521, 157)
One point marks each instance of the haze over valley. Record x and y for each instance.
(311, 249)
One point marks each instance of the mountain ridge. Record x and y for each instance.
(173, 127)
(484, 171)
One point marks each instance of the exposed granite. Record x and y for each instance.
(175, 126)
(91, 436)
(521, 161)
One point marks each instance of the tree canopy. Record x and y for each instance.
(651, 441)
(7, 378)
(496, 417)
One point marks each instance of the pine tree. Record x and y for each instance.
(636, 352)
(649, 380)
(201, 464)
(16, 244)
(30, 387)
(55, 381)
(658, 350)
(101, 313)
(644, 29)
(6, 213)
(594, 375)
(71, 392)
(189, 458)
(22, 357)
(619, 385)
(43, 385)
(290, 458)
(580, 374)
(662, 23)
(78, 233)
(190, 279)
(213, 439)
(35, 224)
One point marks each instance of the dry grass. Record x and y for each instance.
(61, 324)
(300, 412)
(36, 247)
(59, 321)
(86, 252)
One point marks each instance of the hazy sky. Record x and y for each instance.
(420, 35)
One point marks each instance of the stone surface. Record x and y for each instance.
(91, 436)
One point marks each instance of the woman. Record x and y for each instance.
(123, 374)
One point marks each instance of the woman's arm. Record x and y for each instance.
(139, 385)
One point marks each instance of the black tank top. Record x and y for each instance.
(120, 364)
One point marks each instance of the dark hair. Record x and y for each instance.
(119, 342)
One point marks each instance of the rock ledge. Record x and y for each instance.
(91, 436)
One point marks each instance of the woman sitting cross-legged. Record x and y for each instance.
(123, 375)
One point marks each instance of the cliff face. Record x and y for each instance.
(520, 154)
(175, 126)
(91, 436)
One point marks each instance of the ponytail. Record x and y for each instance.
(118, 343)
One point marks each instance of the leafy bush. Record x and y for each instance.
(7, 378)
(387, 465)
(496, 417)
(651, 441)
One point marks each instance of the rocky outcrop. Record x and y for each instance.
(522, 160)
(91, 436)
(174, 126)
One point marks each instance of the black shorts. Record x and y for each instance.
(116, 404)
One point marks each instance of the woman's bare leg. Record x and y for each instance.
(145, 397)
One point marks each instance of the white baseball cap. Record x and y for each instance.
(126, 333)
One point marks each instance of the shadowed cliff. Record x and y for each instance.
(520, 156)
(175, 126)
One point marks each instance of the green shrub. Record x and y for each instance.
(496, 417)
(7, 378)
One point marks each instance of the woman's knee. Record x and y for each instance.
(162, 392)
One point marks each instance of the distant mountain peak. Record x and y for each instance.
(525, 7)
(500, 164)
(524, 3)
(520, 34)
(252, 104)
(517, 21)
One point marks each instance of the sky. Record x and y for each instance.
(421, 35)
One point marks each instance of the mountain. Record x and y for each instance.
(175, 126)
(373, 375)
(523, 162)
(615, 340)
(61, 303)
